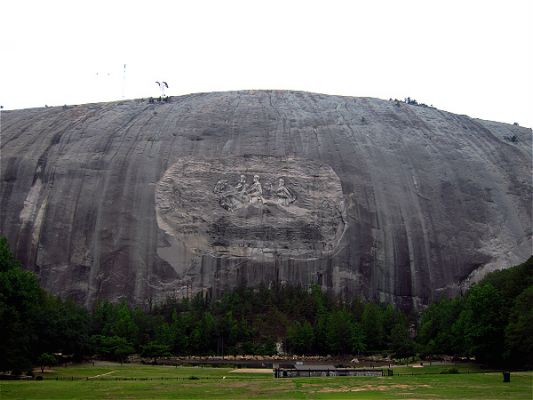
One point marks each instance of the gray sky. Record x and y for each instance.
(470, 57)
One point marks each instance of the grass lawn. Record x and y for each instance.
(163, 382)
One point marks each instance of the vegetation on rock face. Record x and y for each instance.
(492, 322)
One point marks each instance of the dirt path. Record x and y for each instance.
(98, 376)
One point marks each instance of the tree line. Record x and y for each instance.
(492, 322)
(494, 315)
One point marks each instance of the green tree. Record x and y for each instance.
(63, 327)
(435, 333)
(481, 323)
(155, 350)
(511, 282)
(229, 329)
(358, 339)
(112, 347)
(166, 334)
(7, 259)
(519, 331)
(390, 318)
(401, 342)
(146, 323)
(372, 324)
(179, 331)
(123, 324)
(340, 332)
(103, 318)
(46, 360)
(208, 332)
(321, 333)
(20, 299)
(196, 341)
(300, 338)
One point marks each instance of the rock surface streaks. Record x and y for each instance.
(361, 196)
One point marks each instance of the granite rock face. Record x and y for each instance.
(365, 197)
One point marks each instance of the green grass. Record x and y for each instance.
(164, 382)
(438, 368)
(112, 370)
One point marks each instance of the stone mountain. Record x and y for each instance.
(379, 199)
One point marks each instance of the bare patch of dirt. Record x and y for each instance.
(365, 388)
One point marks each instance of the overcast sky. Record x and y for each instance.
(465, 56)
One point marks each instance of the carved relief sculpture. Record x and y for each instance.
(256, 191)
(288, 210)
(284, 195)
(232, 198)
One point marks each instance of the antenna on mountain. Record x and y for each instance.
(124, 81)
